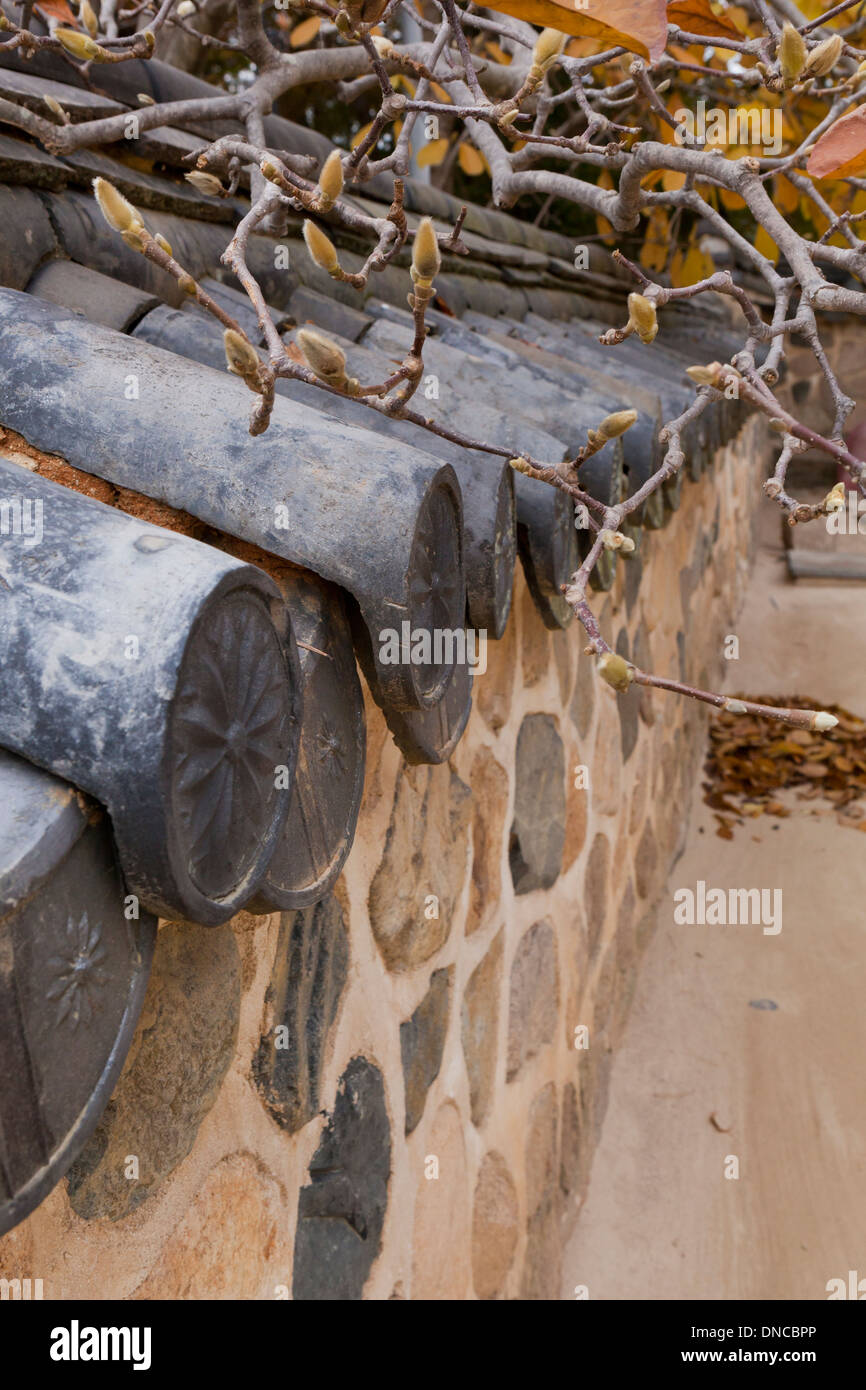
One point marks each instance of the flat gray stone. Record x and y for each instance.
(534, 997)
(302, 1003)
(422, 1042)
(538, 829)
(341, 1211)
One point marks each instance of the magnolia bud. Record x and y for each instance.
(705, 376)
(185, 9)
(520, 465)
(88, 18)
(163, 244)
(149, 38)
(145, 100)
(548, 47)
(205, 183)
(822, 721)
(614, 425)
(824, 57)
(642, 317)
(134, 238)
(426, 259)
(732, 706)
(118, 213)
(325, 358)
(54, 105)
(187, 284)
(384, 47)
(835, 499)
(509, 118)
(321, 248)
(241, 357)
(331, 180)
(791, 53)
(615, 670)
(79, 45)
(270, 171)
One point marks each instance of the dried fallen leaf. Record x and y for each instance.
(638, 25)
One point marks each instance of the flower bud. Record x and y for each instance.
(548, 47)
(54, 105)
(384, 47)
(835, 499)
(821, 722)
(705, 376)
(88, 18)
(118, 213)
(325, 359)
(824, 57)
(509, 118)
(241, 357)
(732, 706)
(144, 99)
(614, 425)
(79, 45)
(205, 183)
(134, 238)
(163, 244)
(331, 180)
(615, 670)
(520, 465)
(642, 317)
(321, 248)
(185, 9)
(791, 53)
(426, 260)
(187, 284)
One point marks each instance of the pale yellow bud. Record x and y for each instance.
(187, 284)
(642, 317)
(520, 465)
(615, 670)
(384, 47)
(615, 540)
(324, 357)
(321, 248)
(792, 53)
(144, 100)
(134, 238)
(548, 47)
(270, 171)
(185, 9)
(331, 180)
(821, 722)
(835, 499)
(205, 183)
(824, 57)
(241, 357)
(705, 376)
(426, 259)
(614, 425)
(163, 244)
(509, 118)
(118, 213)
(54, 105)
(88, 18)
(79, 45)
(732, 706)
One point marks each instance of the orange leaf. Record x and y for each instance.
(698, 17)
(843, 145)
(59, 10)
(361, 135)
(306, 31)
(471, 161)
(638, 25)
(432, 154)
(765, 244)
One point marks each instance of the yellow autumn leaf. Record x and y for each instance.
(432, 154)
(361, 134)
(497, 53)
(731, 201)
(471, 161)
(306, 31)
(672, 180)
(654, 252)
(440, 93)
(765, 244)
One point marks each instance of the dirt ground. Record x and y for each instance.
(709, 1069)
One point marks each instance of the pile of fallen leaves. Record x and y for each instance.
(751, 760)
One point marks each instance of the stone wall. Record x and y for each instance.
(382, 1096)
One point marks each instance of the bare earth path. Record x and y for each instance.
(788, 1085)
